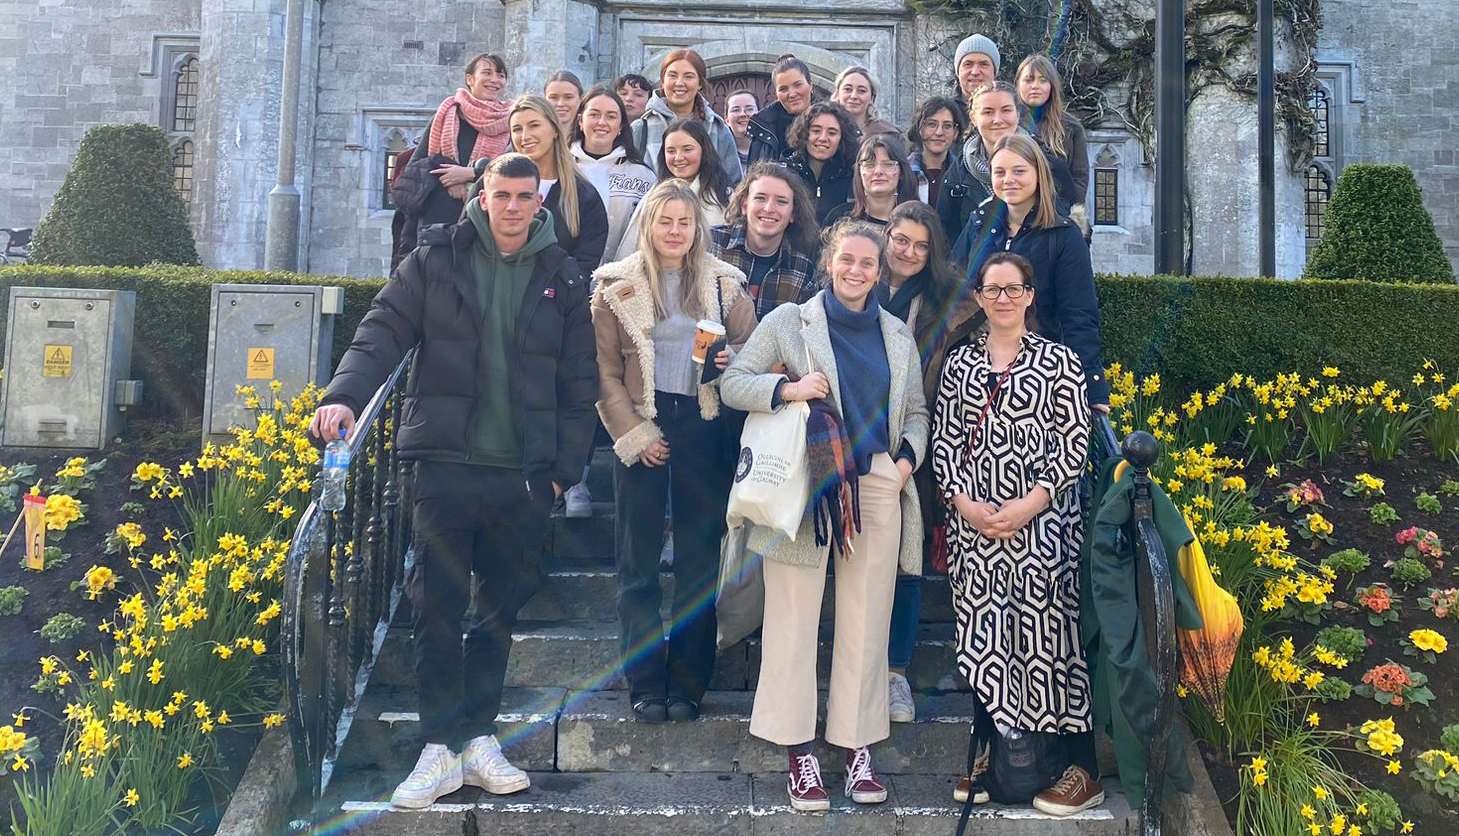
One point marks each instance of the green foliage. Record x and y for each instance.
(1347, 642)
(1333, 689)
(1410, 572)
(60, 627)
(1437, 770)
(1449, 738)
(173, 360)
(1194, 332)
(1383, 514)
(13, 481)
(1384, 815)
(132, 509)
(12, 598)
(51, 558)
(1428, 503)
(1377, 229)
(117, 205)
(1450, 487)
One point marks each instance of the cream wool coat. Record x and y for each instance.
(748, 384)
(623, 322)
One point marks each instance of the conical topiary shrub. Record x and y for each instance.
(1378, 230)
(117, 206)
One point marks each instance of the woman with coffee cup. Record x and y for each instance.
(849, 357)
(668, 318)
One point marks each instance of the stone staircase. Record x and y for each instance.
(597, 772)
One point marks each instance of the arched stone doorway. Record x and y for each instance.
(722, 87)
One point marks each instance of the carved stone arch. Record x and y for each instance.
(727, 57)
(1107, 157)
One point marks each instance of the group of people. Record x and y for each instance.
(927, 292)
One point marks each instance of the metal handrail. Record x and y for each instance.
(1155, 598)
(342, 583)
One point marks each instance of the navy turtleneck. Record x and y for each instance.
(865, 378)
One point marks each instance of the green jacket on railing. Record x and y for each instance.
(1114, 637)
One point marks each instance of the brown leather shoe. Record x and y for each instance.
(973, 783)
(1074, 793)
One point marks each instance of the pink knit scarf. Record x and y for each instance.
(488, 118)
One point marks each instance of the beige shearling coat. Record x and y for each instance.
(623, 322)
(784, 337)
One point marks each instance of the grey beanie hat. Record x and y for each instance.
(977, 43)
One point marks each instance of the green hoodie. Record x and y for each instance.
(501, 284)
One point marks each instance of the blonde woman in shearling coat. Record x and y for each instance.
(669, 437)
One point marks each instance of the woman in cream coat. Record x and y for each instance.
(863, 361)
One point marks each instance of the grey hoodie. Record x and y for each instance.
(648, 135)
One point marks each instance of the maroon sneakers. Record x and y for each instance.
(807, 793)
(862, 785)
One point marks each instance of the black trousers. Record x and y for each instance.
(677, 658)
(481, 521)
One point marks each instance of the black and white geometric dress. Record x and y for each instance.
(1017, 600)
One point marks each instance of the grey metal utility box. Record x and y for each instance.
(67, 352)
(258, 333)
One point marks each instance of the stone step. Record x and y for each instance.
(592, 594)
(584, 656)
(675, 804)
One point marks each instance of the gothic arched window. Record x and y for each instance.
(1321, 113)
(395, 143)
(185, 96)
(1318, 188)
(182, 169)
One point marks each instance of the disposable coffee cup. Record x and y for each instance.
(706, 334)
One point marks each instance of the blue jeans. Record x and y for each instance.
(906, 613)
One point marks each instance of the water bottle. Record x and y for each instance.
(336, 467)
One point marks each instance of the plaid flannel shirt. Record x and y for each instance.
(792, 279)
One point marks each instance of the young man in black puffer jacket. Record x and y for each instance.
(499, 414)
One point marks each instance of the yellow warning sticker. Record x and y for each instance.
(260, 364)
(57, 361)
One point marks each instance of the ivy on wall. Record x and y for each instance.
(1105, 50)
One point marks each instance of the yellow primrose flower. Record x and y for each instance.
(1429, 640)
(61, 511)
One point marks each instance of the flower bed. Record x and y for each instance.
(1323, 506)
(138, 719)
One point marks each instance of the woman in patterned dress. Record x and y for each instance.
(1009, 441)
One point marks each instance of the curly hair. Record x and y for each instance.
(714, 183)
(851, 228)
(803, 232)
(928, 108)
(798, 135)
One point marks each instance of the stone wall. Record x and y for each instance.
(379, 71)
(1403, 102)
(64, 67)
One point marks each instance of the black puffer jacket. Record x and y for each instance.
(431, 303)
(963, 191)
(1065, 300)
(767, 131)
(831, 191)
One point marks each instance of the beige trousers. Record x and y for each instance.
(856, 708)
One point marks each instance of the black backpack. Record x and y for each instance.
(1024, 764)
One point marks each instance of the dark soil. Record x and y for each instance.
(1420, 726)
(167, 443)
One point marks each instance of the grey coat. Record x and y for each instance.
(648, 135)
(748, 384)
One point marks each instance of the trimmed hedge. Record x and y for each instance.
(1195, 332)
(117, 204)
(1377, 229)
(170, 343)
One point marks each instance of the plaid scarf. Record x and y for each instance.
(835, 500)
(488, 118)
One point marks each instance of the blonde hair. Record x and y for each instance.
(870, 82)
(1049, 124)
(651, 207)
(1045, 214)
(568, 172)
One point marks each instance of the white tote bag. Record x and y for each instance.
(771, 485)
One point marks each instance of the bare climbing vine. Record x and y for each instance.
(1105, 50)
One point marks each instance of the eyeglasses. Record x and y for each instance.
(903, 242)
(934, 125)
(879, 165)
(992, 292)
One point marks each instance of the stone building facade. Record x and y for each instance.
(209, 71)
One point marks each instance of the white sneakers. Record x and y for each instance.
(483, 765)
(577, 503)
(902, 709)
(436, 773)
(439, 772)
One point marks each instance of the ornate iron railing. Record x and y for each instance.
(342, 583)
(1156, 600)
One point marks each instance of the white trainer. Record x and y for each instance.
(436, 773)
(577, 502)
(902, 709)
(483, 765)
